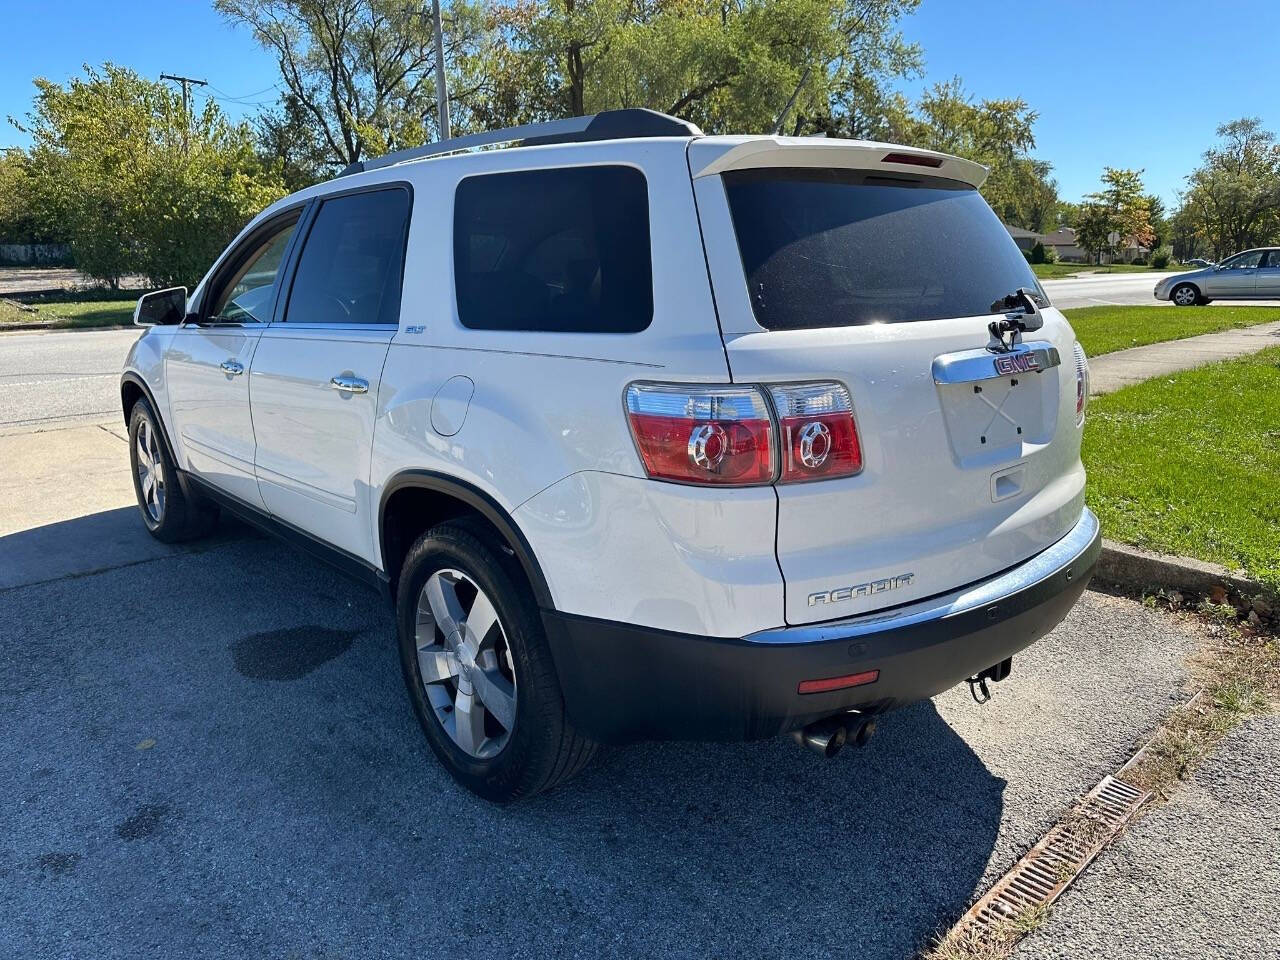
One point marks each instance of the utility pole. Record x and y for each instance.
(187, 83)
(442, 91)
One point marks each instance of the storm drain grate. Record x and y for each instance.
(1051, 865)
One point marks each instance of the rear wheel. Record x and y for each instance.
(169, 514)
(1185, 295)
(478, 668)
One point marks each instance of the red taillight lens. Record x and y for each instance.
(1082, 383)
(706, 435)
(819, 436)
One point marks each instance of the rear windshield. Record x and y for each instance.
(833, 248)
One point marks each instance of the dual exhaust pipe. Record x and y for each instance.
(830, 734)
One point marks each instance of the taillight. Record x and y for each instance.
(1082, 383)
(718, 435)
(819, 437)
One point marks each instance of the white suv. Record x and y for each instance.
(647, 434)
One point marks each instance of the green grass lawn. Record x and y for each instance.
(1105, 329)
(1190, 464)
(71, 314)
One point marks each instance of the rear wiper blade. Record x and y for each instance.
(1021, 299)
(1020, 316)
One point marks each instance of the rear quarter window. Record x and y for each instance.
(830, 248)
(558, 250)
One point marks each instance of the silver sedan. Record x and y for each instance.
(1251, 275)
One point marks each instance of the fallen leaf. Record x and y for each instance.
(146, 744)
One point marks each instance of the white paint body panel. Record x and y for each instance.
(210, 408)
(314, 442)
(677, 558)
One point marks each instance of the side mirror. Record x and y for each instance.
(161, 308)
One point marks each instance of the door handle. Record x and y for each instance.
(349, 384)
(232, 368)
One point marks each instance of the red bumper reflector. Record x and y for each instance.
(838, 683)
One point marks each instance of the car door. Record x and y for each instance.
(315, 375)
(1267, 283)
(1236, 277)
(210, 353)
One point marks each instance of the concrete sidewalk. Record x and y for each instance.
(1111, 371)
(1192, 879)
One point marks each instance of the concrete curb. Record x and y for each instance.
(37, 325)
(1141, 569)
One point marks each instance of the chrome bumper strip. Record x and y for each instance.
(1079, 541)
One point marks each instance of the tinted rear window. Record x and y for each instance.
(830, 248)
(554, 250)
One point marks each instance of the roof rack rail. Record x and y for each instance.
(626, 124)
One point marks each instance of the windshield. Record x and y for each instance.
(828, 248)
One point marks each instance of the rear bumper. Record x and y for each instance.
(623, 682)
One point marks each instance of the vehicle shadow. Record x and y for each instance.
(213, 752)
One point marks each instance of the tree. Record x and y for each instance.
(1159, 222)
(1122, 206)
(22, 219)
(1094, 225)
(997, 133)
(1233, 197)
(727, 66)
(140, 185)
(361, 71)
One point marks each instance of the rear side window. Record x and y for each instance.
(554, 250)
(353, 260)
(833, 248)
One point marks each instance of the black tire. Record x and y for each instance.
(1190, 296)
(542, 749)
(177, 517)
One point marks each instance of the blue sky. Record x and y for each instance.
(1116, 82)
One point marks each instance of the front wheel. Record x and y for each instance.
(169, 514)
(478, 667)
(1185, 295)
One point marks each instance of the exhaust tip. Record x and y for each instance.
(826, 737)
(860, 730)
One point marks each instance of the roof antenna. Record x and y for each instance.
(782, 117)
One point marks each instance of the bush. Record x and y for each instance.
(1161, 257)
(1050, 254)
(1037, 253)
(1139, 261)
(1027, 254)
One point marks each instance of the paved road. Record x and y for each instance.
(46, 378)
(42, 279)
(1104, 288)
(1197, 878)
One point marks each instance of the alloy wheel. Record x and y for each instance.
(465, 663)
(1184, 296)
(150, 469)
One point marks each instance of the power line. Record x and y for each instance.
(187, 84)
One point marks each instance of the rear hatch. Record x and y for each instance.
(831, 262)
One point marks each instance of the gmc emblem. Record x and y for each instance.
(1008, 363)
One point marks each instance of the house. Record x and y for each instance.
(1063, 240)
(1025, 239)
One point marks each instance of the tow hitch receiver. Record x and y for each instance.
(996, 673)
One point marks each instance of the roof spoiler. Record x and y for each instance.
(711, 157)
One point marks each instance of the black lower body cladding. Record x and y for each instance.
(623, 682)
